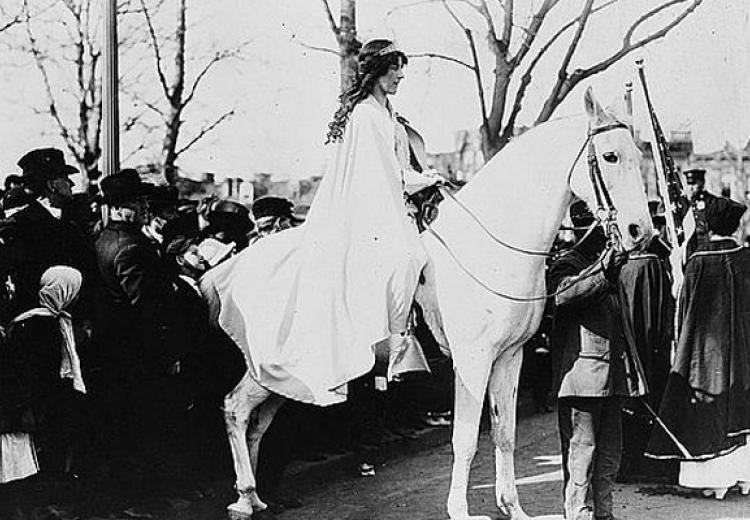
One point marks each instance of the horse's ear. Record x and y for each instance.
(593, 109)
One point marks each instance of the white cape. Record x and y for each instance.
(307, 305)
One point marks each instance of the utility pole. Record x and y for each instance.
(110, 98)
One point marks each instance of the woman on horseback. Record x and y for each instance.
(308, 305)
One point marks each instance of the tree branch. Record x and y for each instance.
(454, 15)
(315, 47)
(157, 50)
(10, 23)
(507, 22)
(627, 39)
(497, 45)
(205, 130)
(331, 19)
(526, 77)
(39, 61)
(629, 47)
(219, 56)
(476, 67)
(441, 57)
(533, 30)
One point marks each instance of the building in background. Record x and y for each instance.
(461, 163)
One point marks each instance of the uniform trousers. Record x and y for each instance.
(591, 444)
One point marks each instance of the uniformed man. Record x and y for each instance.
(588, 335)
(695, 180)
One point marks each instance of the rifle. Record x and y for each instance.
(670, 188)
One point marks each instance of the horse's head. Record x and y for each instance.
(619, 162)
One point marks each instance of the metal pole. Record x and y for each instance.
(110, 100)
(110, 105)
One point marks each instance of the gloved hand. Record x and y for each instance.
(612, 263)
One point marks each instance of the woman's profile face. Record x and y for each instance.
(389, 81)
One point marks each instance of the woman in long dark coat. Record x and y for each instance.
(706, 404)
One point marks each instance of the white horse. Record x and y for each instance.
(520, 196)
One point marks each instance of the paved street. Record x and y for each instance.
(411, 484)
(414, 486)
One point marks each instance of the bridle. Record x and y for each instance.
(606, 216)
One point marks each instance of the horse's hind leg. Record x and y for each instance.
(265, 414)
(238, 408)
(503, 392)
(468, 410)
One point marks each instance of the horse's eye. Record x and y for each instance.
(610, 157)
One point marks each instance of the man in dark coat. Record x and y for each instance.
(137, 342)
(36, 237)
(706, 403)
(594, 370)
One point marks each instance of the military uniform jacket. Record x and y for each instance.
(699, 202)
(587, 329)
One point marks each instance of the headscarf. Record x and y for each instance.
(58, 289)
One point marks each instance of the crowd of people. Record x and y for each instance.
(109, 361)
(109, 365)
(640, 399)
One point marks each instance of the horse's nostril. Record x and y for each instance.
(635, 231)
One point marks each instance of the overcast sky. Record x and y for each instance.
(284, 93)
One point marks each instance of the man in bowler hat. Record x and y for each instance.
(137, 340)
(37, 236)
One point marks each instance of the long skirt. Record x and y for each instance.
(718, 473)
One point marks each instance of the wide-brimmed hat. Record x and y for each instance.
(124, 186)
(43, 164)
(277, 207)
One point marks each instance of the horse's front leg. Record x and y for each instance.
(467, 412)
(503, 393)
(238, 408)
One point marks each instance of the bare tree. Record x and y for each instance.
(62, 39)
(345, 33)
(178, 90)
(346, 37)
(511, 45)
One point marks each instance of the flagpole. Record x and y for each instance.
(110, 96)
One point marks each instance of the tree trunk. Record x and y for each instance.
(174, 118)
(492, 141)
(169, 146)
(349, 45)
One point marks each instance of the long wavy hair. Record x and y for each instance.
(371, 66)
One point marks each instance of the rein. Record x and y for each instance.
(605, 213)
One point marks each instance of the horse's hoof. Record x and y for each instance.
(240, 510)
(719, 493)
